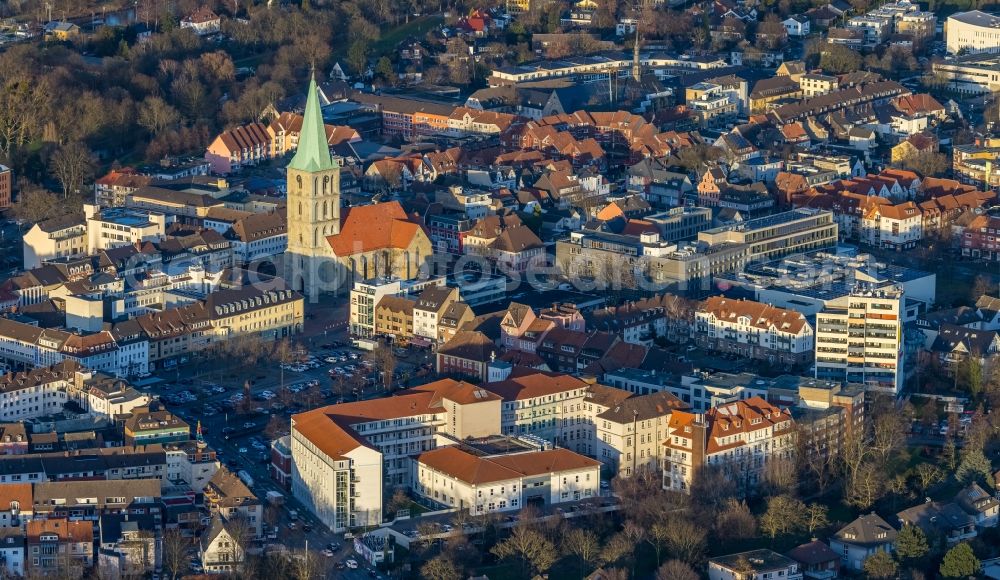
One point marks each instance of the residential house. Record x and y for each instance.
(59, 237)
(16, 504)
(202, 21)
(58, 546)
(816, 561)
(630, 435)
(428, 309)
(467, 354)
(796, 25)
(980, 504)
(228, 497)
(220, 549)
(753, 564)
(940, 520)
(12, 548)
(394, 318)
(239, 147)
(862, 538)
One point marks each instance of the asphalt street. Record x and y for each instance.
(323, 326)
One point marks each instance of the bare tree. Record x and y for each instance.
(889, 426)
(781, 475)
(676, 570)
(383, 364)
(35, 205)
(72, 165)
(584, 544)
(308, 565)
(440, 568)
(529, 547)
(155, 115)
(866, 487)
(735, 521)
(23, 105)
(175, 553)
(686, 540)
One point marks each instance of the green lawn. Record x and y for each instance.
(417, 28)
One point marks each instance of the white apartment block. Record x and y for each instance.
(54, 238)
(456, 477)
(630, 435)
(546, 405)
(44, 391)
(893, 227)
(346, 459)
(740, 438)
(859, 339)
(114, 227)
(754, 330)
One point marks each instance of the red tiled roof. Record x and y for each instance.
(374, 227)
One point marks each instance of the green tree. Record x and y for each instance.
(911, 543)
(974, 467)
(881, 565)
(357, 56)
(384, 70)
(960, 562)
(836, 58)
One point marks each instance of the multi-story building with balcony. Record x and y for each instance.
(754, 330)
(59, 547)
(740, 438)
(859, 339)
(347, 458)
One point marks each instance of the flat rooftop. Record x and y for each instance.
(766, 221)
(823, 275)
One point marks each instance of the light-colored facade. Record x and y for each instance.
(366, 295)
(859, 339)
(971, 73)
(347, 459)
(763, 565)
(313, 185)
(973, 31)
(775, 236)
(740, 438)
(55, 238)
(546, 405)
(114, 227)
(754, 330)
(630, 434)
(498, 483)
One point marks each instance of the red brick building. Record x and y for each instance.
(981, 238)
(6, 187)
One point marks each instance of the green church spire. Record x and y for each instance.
(313, 153)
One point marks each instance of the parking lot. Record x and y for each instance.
(327, 369)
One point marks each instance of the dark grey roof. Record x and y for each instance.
(867, 530)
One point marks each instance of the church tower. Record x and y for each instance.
(313, 185)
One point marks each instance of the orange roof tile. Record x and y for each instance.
(374, 227)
